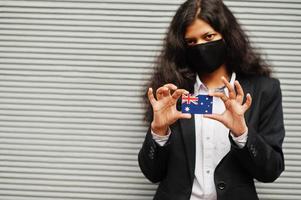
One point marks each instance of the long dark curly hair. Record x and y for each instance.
(171, 66)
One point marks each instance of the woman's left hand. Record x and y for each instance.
(233, 117)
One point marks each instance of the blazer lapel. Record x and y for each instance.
(188, 134)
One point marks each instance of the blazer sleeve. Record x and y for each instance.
(153, 158)
(262, 155)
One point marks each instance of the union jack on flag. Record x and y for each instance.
(190, 99)
(201, 104)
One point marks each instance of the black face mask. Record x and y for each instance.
(206, 57)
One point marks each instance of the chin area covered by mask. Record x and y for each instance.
(206, 57)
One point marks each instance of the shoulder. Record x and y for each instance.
(261, 88)
(263, 83)
(266, 83)
(267, 89)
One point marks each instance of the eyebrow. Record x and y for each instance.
(207, 33)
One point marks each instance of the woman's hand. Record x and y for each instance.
(233, 117)
(164, 107)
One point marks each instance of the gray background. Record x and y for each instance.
(71, 73)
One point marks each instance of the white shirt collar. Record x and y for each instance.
(200, 87)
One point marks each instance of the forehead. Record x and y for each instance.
(197, 28)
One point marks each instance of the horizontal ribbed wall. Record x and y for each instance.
(71, 77)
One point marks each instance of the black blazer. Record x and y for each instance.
(262, 158)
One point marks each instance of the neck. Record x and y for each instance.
(213, 80)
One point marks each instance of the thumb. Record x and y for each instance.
(184, 115)
(216, 117)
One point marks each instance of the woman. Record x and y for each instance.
(212, 156)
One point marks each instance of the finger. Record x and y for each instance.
(166, 92)
(171, 86)
(179, 93)
(183, 115)
(151, 96)
(231, 90)
(160, 92)
(248, 103)
(219, 94)
(240, 92)
(216, 117)
(223, 97)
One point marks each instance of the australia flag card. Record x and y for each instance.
(201, 104)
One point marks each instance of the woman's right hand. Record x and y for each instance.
(164, 107)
